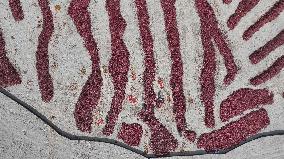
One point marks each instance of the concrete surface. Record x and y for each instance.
(23, 136)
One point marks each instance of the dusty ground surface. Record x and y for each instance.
(70, 66)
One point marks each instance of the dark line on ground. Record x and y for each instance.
(120, 144)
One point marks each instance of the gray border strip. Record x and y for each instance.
(120, 144)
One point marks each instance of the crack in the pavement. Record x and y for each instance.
(120, 144)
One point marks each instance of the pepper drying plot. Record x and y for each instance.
(160, 76)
